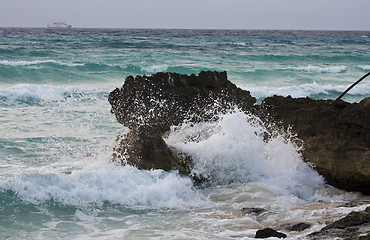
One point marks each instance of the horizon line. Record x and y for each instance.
(207, 29)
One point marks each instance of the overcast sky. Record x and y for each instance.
(210, 14)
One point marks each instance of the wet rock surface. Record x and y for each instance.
(297, 227)
(149, 152)
(355, 225)
(268, 232)
(150, 105)
(335, 134)
(154, 103)
(255, 211)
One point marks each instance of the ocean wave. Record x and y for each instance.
(309, 90)
(234, 150)
(37, 62)
(316, 69)
(154, 69)
(100, 183)
(33, 93)
(365, 67)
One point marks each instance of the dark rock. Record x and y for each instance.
(298, 227)
(353, 219)
(268, 232)
(335, 134)
(256, 211)
(350, 227)
(148, 152)
(164, 99)
(355, 203)
(150, 105)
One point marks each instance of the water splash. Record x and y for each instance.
(234, 149)
(94, 185)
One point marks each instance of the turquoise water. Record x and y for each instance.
(57, 179)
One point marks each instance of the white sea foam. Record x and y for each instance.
(35, 92)
(365, 67)
(233, 149)
(37, 62)
(240, 44)
(99, 183)
(316, 69)
(154, 69)
(307, 90)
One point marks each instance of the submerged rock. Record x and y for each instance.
(268, 232)
(297, 227)
(355, 225)
(335, 134)
(255, 211)
(150, 105)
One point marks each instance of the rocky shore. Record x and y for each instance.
(354, 226)
(150, 105)
(335, 134)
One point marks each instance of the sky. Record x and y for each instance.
(190, 14)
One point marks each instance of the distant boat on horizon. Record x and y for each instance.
(59, 25)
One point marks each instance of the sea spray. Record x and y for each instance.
(234, 149)
(98, 184)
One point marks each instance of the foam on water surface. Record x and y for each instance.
(317, 69)
(234, 149)
(37, 62)
(96, 184)
(309, 90)
(155, 68)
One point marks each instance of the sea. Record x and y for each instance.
(57, 177)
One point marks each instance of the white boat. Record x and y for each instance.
(59, 25)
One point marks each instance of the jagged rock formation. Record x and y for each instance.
(335, 134)
(354, 226)
(150, 105)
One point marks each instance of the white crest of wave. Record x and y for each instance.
(365, 67)
(45, 93)
(234, 149)
(154, 69)
(36, 62)
(100, 183)
(307, 90)
(316, 69)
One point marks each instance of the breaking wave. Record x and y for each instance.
(154, 69)
(37, 94)
(234, 149)
(101, 183)
(316, 69)
(314, 90)
(365, 67)
(37, 62)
